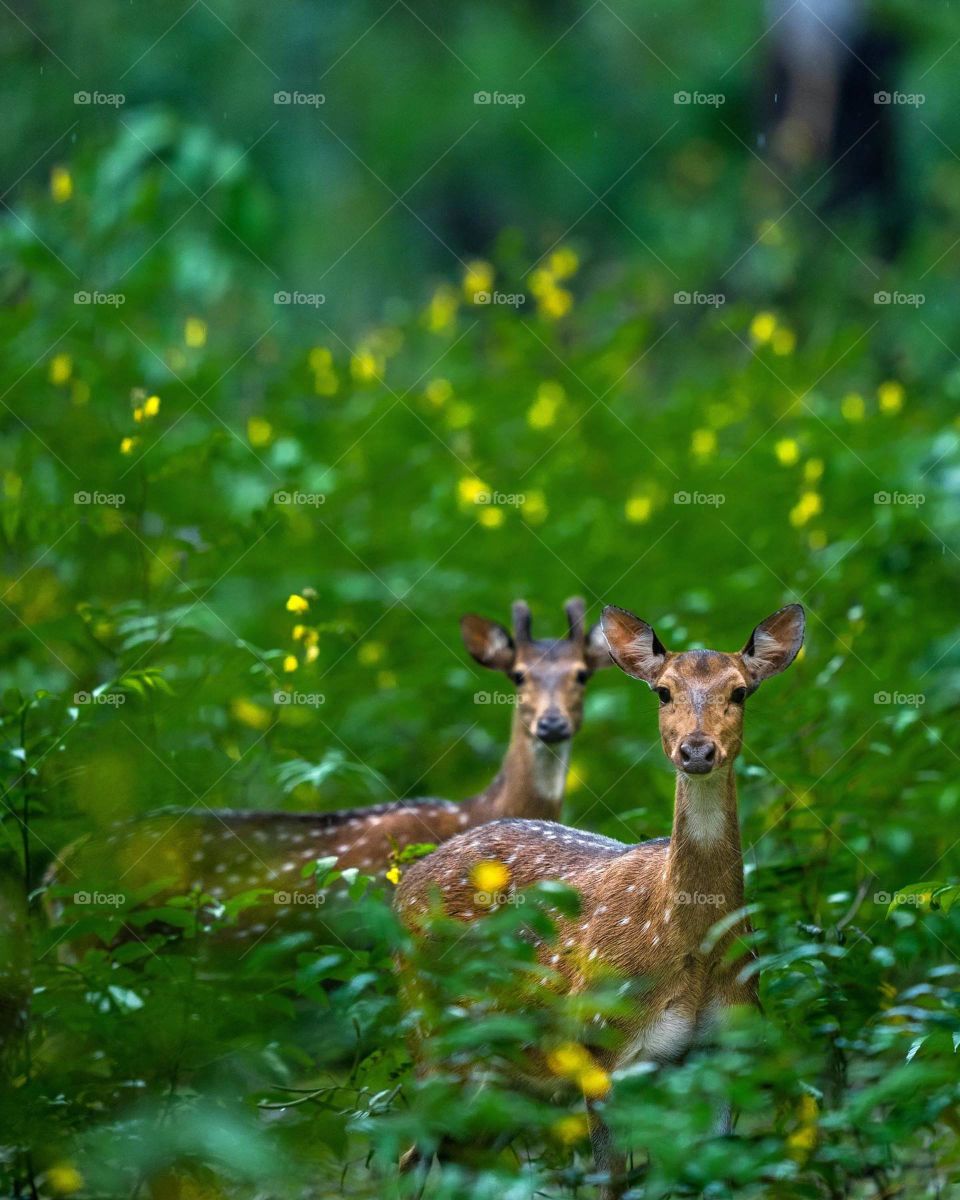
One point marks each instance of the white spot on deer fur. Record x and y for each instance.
(343, 849)
(555, 958)
(656, 939)
(666, 915)
(602, 908)
(625, 921)
(464, 818)
(632, 887)
(568, 943)
(593, 953)
(375, 820)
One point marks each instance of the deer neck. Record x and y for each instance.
(531, 780)
(704, 869)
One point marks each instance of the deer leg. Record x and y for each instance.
(609, 1162)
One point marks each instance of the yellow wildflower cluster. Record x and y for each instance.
(441, 314)
(259, 432)
(393, 875)
(306, 636)
(543, 412)
(890, 398)
(60, 370)
(809, 505)
(703, 443)
(325, 382)
(147, 410)
(787, 451)
(638, 508)
(61, 185)
(765, 330)
(572, 1128)
(572, 1061)
(64, 1179)
(369, 360)
(195, 333)
(474, 494)
(478, 281)
(554, 301)
(803, 1140)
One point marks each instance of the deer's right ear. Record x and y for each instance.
(488, 642)
(633, 645)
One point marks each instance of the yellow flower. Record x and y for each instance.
(298, 631)
(556, 303)
(366, 366)
(490, 518)
(64, 1179)
(784, 341)
(290, 663)
(534, 506)
(297, 604)
(852, 407)
(812, 470)
(394, 875)
(459, 415)
(248, 713)
(478, 277)
(490, 876)
(128, 445)
(787, 451)
(61, 368)
(138, 415)
(61, 185)
(438, 392)
(703, 443)
(809, 505)
(638, 509)
(151, 406)
(804, 1138)
(594, 1082)
(577, 776)
(890, 396)
(571, 1129)
(370, 653)
(569, 1059)
(442, 310)
(763, 326)
(195, 332)
(259, 432)
(472, 490)
(312, 654)
(543, 412)
(563, 263)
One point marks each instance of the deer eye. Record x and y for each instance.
(517, 676)
(738, 695)
(583, 676)
(664, 694)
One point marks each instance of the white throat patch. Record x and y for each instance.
(706, 811)
(550, 763)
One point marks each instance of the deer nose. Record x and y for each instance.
(698, 755)
(553, 726)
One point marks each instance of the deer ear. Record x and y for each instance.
(595, 650)
(488, 642)
(774, 644)
(633, 645)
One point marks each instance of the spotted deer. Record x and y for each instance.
(646, 909)
(225, 852)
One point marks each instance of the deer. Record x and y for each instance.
(225, 852)
(645, 909)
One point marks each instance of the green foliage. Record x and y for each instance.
(699, 465)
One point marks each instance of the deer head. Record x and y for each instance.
(550, 675)
(702, 692)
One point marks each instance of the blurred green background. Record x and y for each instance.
(704, 367)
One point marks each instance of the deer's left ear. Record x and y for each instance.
(774, 644)
(595, 650)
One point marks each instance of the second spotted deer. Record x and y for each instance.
(646, 909)
(221, 852)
